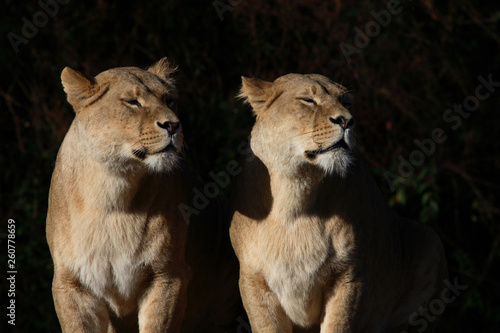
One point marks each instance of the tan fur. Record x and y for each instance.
(318, 247)
(114, 228)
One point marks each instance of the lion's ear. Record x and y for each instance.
(163, 68)
(256, 92)
(77, 86)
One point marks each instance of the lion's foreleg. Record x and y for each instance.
(162, 307)
(341, 306)
(262, 306)
(78, 309)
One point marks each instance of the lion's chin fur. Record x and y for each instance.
(164, 162)
(339, 164)
(120, 161)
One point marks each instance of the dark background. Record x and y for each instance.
(424, 61)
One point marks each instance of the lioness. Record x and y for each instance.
(117, 237)
(318, 247)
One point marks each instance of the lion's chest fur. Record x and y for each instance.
(294, 263)
(107, 255)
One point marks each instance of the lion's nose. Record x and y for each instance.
(170, 126)
(342, 121)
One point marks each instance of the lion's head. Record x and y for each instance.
(301, 120)
(126, 117)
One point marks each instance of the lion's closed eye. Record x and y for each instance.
(306, 100)
(133, 102)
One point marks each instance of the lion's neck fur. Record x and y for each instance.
(103, 186)
(293, 194)
(298, 187)
(306, 190)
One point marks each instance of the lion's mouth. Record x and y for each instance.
(143, 153)
(339, 144)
